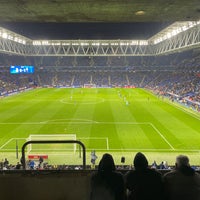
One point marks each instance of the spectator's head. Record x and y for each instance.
(182, 165)
(140, 162)
(106, 163)
(181, 161)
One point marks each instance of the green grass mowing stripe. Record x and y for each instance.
(141, 109)
(125, 126)
(182, 126)
(104, 112)
(176, 124)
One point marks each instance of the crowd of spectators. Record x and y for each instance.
(180, 86)
(176, 76)
(143, 183)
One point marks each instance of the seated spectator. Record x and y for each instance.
(6, 163)
(143, 183)
(93, 159)
(41, 160)
(18, 166)
(31, 164)
(183, 182)
(154, 165)
(106, 183)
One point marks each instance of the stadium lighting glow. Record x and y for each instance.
(84, 44)
(134, 42)
(75, 44)
(45, 42)
(56, 43)
(9, 35)
(65, 44)
(104, 44)
(36, 42)
(173, 30)
(96, 44)
(124, 43)
(5, 35)
(42, 42)
(143, 42)
(114, 44)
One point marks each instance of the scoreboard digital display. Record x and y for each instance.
(22, 69)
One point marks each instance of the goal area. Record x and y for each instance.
(51, 147)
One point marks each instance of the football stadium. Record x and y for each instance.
(136, 98)
(64, 103)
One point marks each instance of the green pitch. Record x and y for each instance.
(118, 121)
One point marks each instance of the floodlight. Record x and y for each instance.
(96, 44)
(5, 35)
(45, 42)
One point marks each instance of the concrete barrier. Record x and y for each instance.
(45, 185)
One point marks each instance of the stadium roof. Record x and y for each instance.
(96, 19)
(99, 10)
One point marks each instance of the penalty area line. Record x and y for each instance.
(161, 135)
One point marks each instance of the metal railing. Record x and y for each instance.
(53, 142)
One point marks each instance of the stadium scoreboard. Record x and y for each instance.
(21, 69)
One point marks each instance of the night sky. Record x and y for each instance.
(62, 31)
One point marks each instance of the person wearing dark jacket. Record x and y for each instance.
(143, 183)
(106, 183)
(182, 183)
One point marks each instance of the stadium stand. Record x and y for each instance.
(176, 75)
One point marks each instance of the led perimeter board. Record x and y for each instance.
(21, 69)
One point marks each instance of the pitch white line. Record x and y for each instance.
(162, 136)
(125, 150)
(10, 141)
(107, 144)
(73, 122)
(97, 138)
(179, 106)
(185, 110)
(154, 150)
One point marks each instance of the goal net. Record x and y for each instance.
(51, 147)
(91, 85)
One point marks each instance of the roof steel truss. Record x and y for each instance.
(184, 40)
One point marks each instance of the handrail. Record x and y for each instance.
(51, 142)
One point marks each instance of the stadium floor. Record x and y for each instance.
(115, 120)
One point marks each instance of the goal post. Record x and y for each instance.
(32, 148)
(89, 85)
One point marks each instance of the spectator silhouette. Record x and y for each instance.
(106, 183)
(41, 160)
(143, 183)
(6, 163)
(183, 182)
